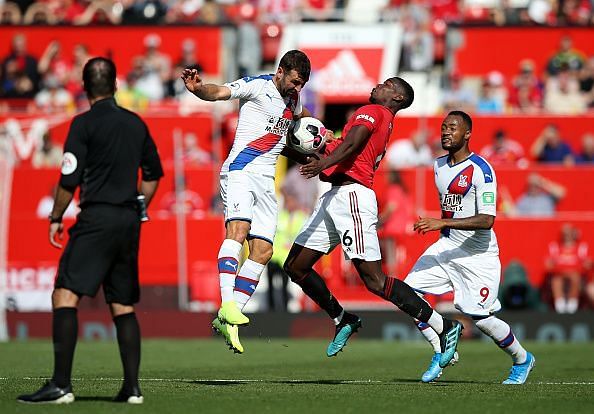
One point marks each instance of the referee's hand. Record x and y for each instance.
(56, 229)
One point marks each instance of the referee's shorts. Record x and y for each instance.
(103, 251)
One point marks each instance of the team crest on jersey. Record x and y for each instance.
(463, 181)
(452, 202)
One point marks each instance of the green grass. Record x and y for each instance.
(295, 376)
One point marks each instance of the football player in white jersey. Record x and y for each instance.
(268, 106)
(465, 259)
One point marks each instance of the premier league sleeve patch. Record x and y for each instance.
(69, 163)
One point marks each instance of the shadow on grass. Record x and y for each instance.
(104, 399)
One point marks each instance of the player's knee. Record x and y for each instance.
(374, 282)
(64, 298)
(261, 255)
(293, 270)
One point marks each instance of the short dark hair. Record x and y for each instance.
(99, 75)
(298, 61)
(404, 88)
(465, 117)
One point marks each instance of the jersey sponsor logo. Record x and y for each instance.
(278, 126)
(234, 85)
(463, 181)
(69, 163)
(488, 197)
(452, 202)
(269, 96)
(366, 117)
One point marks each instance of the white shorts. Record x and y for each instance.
(251, 197)
(474, 278)
(345, 214)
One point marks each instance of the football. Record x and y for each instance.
(308, 135)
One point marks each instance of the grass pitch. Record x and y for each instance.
(295, 376)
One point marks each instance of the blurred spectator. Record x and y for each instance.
(181, 200)
(539, 200)
(526, 94)
(47, 154)
(212, 13)
(249, 42)
(567, 264)
(80, 56)
(503, 150)
(99, 12)
(418, 46)
(53, 98)
(192, 154)
(128, 95)
(508, 14)
(68, 11)
(7, 152)
(586, 156)
(586, 79)
(52, 62)
(562, 94)
(46, 204)
(549, 147)
(305, 190)
(19, 70)
(405, 153)
(10, 14)
(458, 97)
(146, 82)
(143, 12)
(188, 55)
(183, 11)
(397, 214)
(565, 58)
(542, 12)
(317, 10)
(291, 218)
(39, 14)
(575, 12)
(277, 11)
(489, 102)
(516, 292)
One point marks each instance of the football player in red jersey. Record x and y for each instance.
(347, 215)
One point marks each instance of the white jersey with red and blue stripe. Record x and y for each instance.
(466, 189)
(264, 119)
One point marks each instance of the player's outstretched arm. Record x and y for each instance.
(352, 143)
(206, 92)
(476, 222)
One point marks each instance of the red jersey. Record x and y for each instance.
(361, 166)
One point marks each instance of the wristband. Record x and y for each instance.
(53, 219)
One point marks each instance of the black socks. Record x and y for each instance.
(128, 332)
(64, 335)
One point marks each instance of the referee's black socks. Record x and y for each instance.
(64, 335)
(128, 332)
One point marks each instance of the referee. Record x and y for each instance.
(105, 148)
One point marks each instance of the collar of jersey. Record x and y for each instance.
(459, 162)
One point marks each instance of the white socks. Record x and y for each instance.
(228, 260)
(436, 322)
(246, 282)
(563, 305)
(430, 335)
(503, 336)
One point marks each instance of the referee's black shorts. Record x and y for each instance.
(103, 250)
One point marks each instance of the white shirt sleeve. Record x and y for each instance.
(486, 193)
(246, 90)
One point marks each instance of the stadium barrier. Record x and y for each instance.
(389, 326)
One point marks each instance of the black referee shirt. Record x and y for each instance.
(103, 152)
